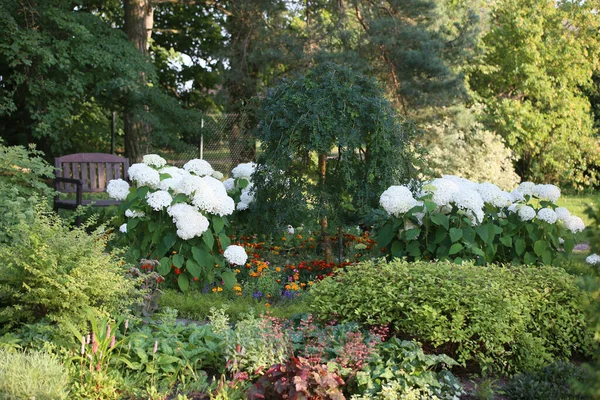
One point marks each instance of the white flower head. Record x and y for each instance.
(526, 213)
(171, 183)
(397, 200)
(235, 255)
(548, 215)
(593, 259)
(217, 175)
(190, 222)
(290, 229)
(198, 167)
(229, 184)
(210, 196)
(547, 192)
(144, 175)
(188, 184)
(526, 188)
(159, 200)
(442, 190)
(134, 214)
(117, 189)
(493, 195)
(244, 170)
(516, 195)
(562, 213)
(154, 160)
(123, 228)
(574, 224)
(461, 182)
(470, 201)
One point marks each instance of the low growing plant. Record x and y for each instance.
(493, 316)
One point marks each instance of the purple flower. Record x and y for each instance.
(257, 295)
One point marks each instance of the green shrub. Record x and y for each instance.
(60, 275)
(555, 381)
(22, 175)
(33, 375)
(500, 318)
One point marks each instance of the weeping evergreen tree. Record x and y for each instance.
(331, 144)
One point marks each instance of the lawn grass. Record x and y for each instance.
(196, 305)
(577, 204)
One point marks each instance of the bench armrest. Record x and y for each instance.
(78, 186)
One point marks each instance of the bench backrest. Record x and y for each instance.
(95, 170)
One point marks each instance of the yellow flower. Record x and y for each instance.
(284, 239)
(214, 289)
(278, 269)
(267, 305)
(237, 271)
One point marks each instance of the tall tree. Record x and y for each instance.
(538, 64)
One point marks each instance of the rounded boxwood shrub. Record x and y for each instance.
(500, 318)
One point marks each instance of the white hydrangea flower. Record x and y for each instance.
(470, 201)
(548, 215)
(117, 189)
(547, 192)
(516, 195)
(244, 170)
(241, 206)
(229, 184)
(461, 182)
(144, 175)
(562, 213)
(593, 259)
(513, 208)
(235, 255)
(159, 200)
(189, 184)
(154, 160)
(526, 213)
(198, 167)
(442, 191)
(134, 214)
(526, 188)
(217, 175)
(574, 224)
(211, 196)
(123, 228)
(189, 221)
(177, 174)
(493, 195)
(397, 200)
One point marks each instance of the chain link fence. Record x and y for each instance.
(224, 142)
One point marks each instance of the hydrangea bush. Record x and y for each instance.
(178, 216)
(454, 218)
(240, 185)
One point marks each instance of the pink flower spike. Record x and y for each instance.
(155, 346)
(94, 347)
(108, 331)
(112, 342)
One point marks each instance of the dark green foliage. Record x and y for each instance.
(496, 317)
(400, 366)
(51, 272)
(555, 381)
(335, 111)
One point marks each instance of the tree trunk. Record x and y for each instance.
(139, 21)
(325, 240)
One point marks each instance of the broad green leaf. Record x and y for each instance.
(193, 268)
(413, 249)
(483, 232)
(440, 235)
(164, 176)
(132, 223)
(412, 234)
(519, 246)
(455, 248)
(506, 241)
(455, 234)
(228, 279)
(164, 266)
(178, 260)
(180, 198)
(218, 223)
(547, 257)
(224, 239)
(440, 220)
(540, 247)
(477, 251)
(208, 238)
(430, 205)
(529, 258)
(385, 235)
(569, 245)
(142, 192)
(169, 240)
(184, 282)
(397, 249)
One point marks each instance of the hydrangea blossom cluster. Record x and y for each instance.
(242, 171)
(235, 255)
(593, 259)
(206, 195)
(472, 198)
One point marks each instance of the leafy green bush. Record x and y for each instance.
(454, 218)
(54, 273)
(500, 318)
(22, 175)
(33, 375)
(555, 381)
(401, 367)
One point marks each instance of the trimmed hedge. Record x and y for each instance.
(506, 319)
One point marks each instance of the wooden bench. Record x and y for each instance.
(86, 173)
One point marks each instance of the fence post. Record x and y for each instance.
(202, 139)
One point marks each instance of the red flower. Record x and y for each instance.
(177, 271)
